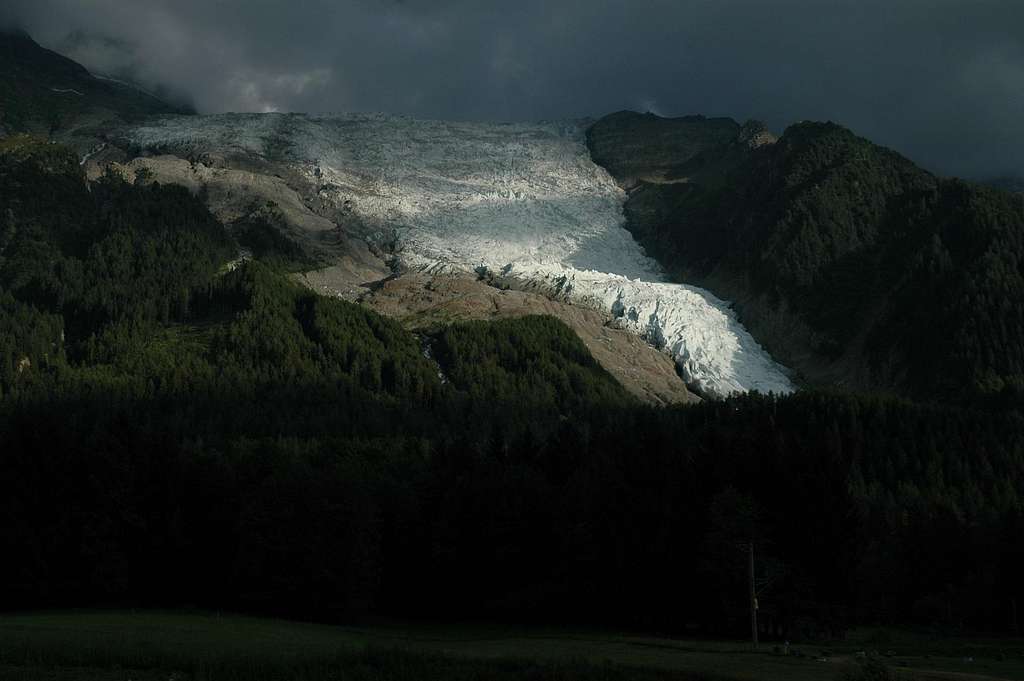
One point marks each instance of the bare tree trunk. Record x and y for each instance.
(753, 598)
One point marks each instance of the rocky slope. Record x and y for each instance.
(427, 302)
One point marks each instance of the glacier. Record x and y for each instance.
(523, 202)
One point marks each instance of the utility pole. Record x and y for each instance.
(753, 596)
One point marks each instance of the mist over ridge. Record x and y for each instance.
(940, 81)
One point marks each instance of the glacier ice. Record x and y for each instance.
(523, 200)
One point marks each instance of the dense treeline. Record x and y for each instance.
(175, 432)
(853, 264)
(264, 233)
(109, 259)
(317, 501)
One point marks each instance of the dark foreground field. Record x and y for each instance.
(144, 646)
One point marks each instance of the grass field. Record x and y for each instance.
(145, 646)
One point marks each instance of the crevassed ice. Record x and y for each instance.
(521, 199)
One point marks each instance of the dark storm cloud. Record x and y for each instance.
(940, 80)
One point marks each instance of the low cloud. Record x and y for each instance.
(939, 80)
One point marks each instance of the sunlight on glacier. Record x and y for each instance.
(523, 200)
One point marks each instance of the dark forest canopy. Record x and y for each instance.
(177, 432)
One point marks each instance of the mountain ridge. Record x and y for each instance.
(834, 249)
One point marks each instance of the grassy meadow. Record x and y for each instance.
(144, 646)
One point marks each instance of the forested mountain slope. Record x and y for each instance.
(116, 279)
(184, 427)
(850, 263)
(177, 432)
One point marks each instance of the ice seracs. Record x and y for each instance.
(523, 201)
(714, 353)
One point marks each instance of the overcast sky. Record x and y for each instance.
(940, 80)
